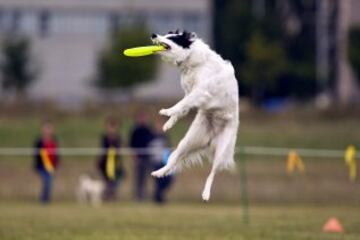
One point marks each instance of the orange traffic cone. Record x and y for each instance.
(333, 225)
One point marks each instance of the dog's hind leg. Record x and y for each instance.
(209, 181)
(222, 158)
(196, 138)
(219, 154)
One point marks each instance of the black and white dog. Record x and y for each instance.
(210, 87)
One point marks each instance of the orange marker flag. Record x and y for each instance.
(350, 161)
(333, 225)
(294, 161)
(46, 161)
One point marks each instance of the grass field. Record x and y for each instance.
(66, 221)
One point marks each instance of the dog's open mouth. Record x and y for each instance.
(166, 46)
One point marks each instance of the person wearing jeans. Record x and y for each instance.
(46, 160)
(46, 179)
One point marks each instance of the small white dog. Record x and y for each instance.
(210, 87)
(90, 190)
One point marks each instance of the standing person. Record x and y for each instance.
(46, 159)
(140, 137)
(110, 163)
(160, 151)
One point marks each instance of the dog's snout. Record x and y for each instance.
(153, 36)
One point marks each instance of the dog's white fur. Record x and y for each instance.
(90, 190)
(210, 87)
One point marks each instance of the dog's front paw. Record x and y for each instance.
(170, 123)
(162, 172)
(170, 111)
(165, 112)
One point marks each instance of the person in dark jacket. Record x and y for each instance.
(46, 159)
(160, 151)
(140, 137)
(110, 163)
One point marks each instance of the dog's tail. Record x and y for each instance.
(195, 158)
(227, 161)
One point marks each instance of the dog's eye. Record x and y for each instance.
(181, 40)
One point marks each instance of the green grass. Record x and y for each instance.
(284, 130)
(63, 221)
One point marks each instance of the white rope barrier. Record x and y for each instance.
(248, 150)
(72, 151)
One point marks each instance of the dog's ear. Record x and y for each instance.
(189, 35)
(177, 31)
(193, 36)
(186, 34)
(170, 32)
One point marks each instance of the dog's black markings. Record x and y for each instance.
(182, 39)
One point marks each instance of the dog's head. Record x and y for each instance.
(178, 45)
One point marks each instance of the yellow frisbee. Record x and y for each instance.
(143, 51)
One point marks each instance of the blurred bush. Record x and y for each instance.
(266, 62)
(17, 66)
(116, 71)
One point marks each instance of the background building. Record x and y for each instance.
(67, 35)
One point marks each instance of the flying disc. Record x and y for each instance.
(143, 51)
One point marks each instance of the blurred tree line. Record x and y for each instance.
(114, 71)
(354, 50)
(271, 45)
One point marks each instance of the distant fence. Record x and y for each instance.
(248, 150)
(255, 181)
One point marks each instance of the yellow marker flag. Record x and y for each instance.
(46, 161)
(294, 162)
(350, 161)
(110, 163)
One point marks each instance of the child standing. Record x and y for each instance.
(46, 159)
